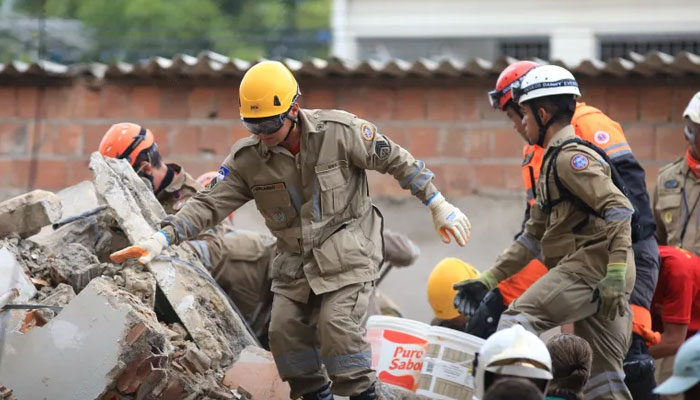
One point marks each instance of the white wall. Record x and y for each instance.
(572, 26)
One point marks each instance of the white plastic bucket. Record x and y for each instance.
(447, 366)
(398, 347)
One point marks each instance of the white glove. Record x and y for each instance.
(145, 251)
(448, 218)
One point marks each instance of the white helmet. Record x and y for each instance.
(543, 81)
(514, 352)
(692, 112)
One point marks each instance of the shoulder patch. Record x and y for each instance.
(671, 184)
(601, 137)
(367, 131)
(221, 175)
(382, 149)
(579, 162)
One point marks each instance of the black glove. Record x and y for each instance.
(469, 296)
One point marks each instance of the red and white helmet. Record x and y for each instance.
(500, 96)
(512, 352)
(544, 81)
(692, 111)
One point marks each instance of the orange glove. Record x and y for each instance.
(145, 251)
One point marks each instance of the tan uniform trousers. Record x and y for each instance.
(664, 370)
(562, 297)
(324, 338)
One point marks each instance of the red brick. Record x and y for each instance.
(239, 131)
(145, 102)
(512, 177)
(506, 142)
(198, 166)
(400, 135)
(352, 100)
(27, 98)
(174, 103)
(410, 104)
(379, 104)
(134, 375)
(57, 102)
(228, 103)
(215, 139)
(114, 101)
(456, 179)
(13, 139)
(478, 143)
(641, 138)
(623, 103)
(86, 102)
(163, 136)
(670, 142)
(384, 185)
(135, 332)
(468, 108)
(7, 102)
(50, 175)
(442, 104)
(185, 140)
(424, 141)
(203, 102)
(78, 171)
(69, 140)
(652, 173)
(20, 173)
(319, 98)
(489, 176)
(456, 143)
(681, 98)
(655, 104)
(594, 96)
(93, 136)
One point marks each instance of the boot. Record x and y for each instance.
(369, 394)
(323, 393)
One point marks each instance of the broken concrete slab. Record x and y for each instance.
(78, 198)
(75, 265)
(255, 371)
(12, 275)
(205, 311)
(94, 338)
(26, 214)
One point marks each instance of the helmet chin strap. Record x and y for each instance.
(295, 121)
(541, 126)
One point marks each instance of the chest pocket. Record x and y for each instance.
(275, 205)
(669, 208)
(333, 182)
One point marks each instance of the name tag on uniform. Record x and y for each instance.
(269, 188)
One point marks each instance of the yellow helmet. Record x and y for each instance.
(441, 295)
(267, 89)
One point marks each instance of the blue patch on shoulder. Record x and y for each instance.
(223, 171)
(579, 162)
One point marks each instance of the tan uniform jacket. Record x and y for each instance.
(675, 197)
(183, 186)
(316, 203)
(563, 236)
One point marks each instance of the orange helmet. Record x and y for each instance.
(206, 178)
(126, 140)
(512, 74)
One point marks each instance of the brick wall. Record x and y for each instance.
(47, 132)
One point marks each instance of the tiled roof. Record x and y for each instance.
(212, 65)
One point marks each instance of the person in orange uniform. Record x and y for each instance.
(594, 126)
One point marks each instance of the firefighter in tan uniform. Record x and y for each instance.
(676, 199)
(238, 260)
(580, 229)
(305, 169)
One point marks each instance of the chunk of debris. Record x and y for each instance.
(26, 214)
(113, 347)
(255, 371)
(62, 295)
(75, 265)
(206, 312)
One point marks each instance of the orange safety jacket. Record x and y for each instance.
(605, 133)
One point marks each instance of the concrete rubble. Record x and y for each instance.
(25, 215)
(83, 327)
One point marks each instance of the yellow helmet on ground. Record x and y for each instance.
(441, 295)
(267, 89)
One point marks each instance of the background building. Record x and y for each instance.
(549, 29)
